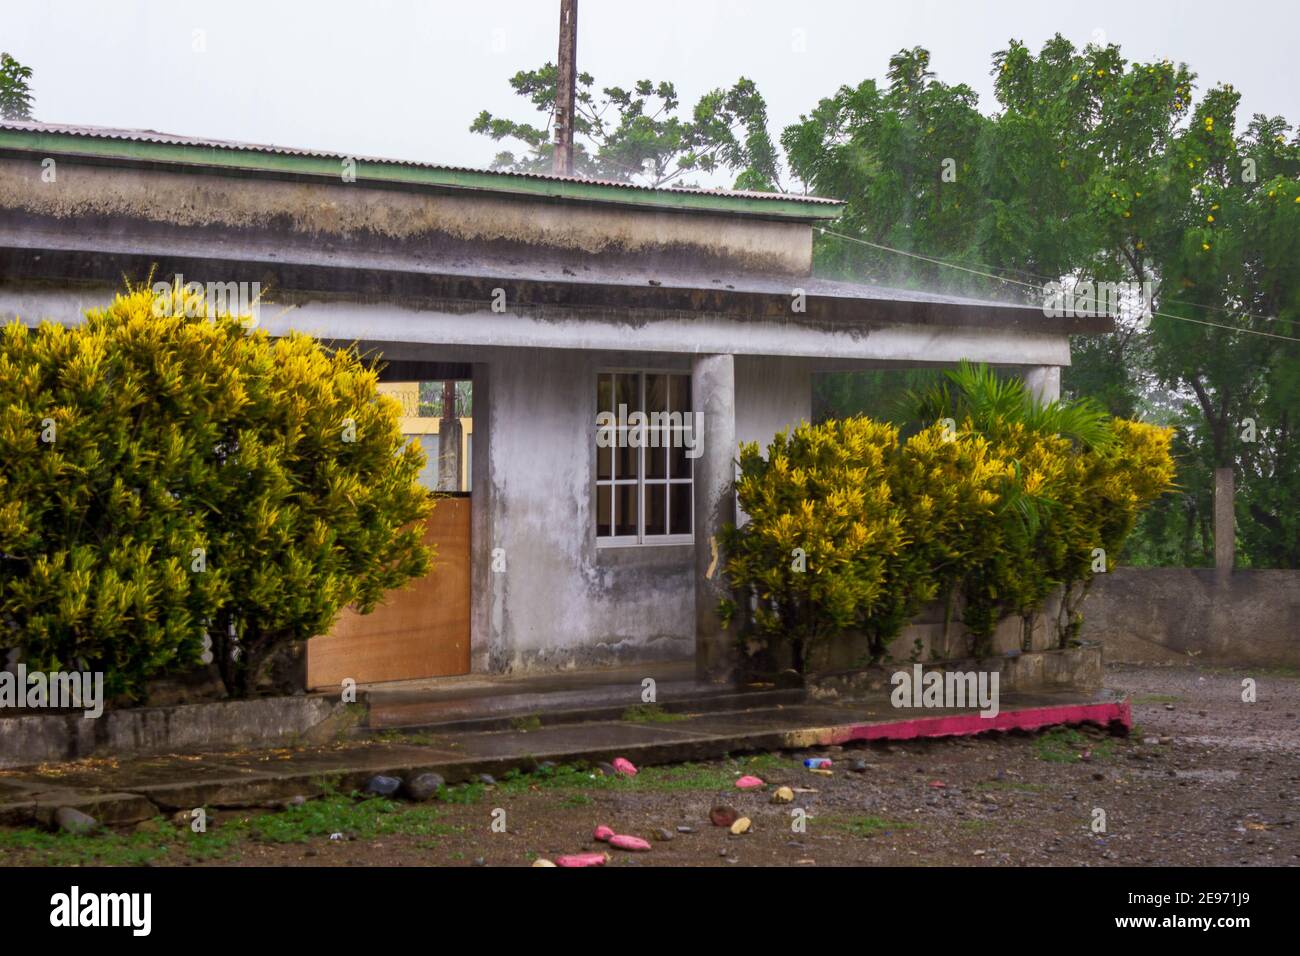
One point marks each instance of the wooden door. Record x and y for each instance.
(421, 630)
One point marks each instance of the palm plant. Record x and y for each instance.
(991, 404)
(1003, 411)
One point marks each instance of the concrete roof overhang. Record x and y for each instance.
(291, 275)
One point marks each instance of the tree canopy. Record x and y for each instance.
(15, 89)
(1097, 169)
(641, 134)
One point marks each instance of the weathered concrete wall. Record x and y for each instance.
(772, 394)
(926, 639)
(1072, 668)
(378, 219)
(562, 601)
(1141, 613)
(266, 722)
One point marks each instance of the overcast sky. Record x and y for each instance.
(404, 78)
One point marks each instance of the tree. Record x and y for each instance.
(1229, 255)
(1097, 169)
(1077, 481)
(15, 89)
(318, 502)
(168, 475)
(902, 159)
(638, 135)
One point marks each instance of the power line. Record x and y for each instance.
(917, 255)
(1028, 285)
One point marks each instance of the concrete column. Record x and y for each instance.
(713, 389)
(485, 598)
(1043, 382)
(1225, 525)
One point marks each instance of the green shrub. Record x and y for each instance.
(955, 489)
(102, 435)
(1075, 482)
(822, 530)
(997, 507)
(195, 477)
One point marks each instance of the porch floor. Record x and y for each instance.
(493, 702)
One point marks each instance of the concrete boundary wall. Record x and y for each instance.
(266, 722)
(1249, 617)
(1074, 669)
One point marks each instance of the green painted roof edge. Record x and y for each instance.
(251, 159)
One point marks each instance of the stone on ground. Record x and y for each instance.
(74, 821)
(382, 785)
(422, 787)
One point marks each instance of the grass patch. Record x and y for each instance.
(525, 724)
(216, 844)
(658, 779)
(102, 849)
(365, 818)
(1158, 699)
(465, 793)
(1272, 670)
(650, 714)
(1066, 745)
(107, 848)
(418, 738)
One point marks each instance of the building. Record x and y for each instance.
(556, 299)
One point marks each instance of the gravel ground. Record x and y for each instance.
(1205, 779)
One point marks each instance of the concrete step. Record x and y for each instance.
(446, 712)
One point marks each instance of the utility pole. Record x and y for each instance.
(565, 86)
(450, 435)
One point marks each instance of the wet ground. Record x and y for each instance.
(1206, 778)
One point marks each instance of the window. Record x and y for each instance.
(647, 438)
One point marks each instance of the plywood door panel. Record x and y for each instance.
(421, 630)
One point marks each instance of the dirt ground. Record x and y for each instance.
(1204, 779)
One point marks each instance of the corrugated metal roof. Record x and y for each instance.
(153, 136)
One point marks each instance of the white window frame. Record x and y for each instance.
(640, 539)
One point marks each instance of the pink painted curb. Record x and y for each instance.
(960, 725)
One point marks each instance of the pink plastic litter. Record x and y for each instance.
(623, 842)
(602, 833)
(623, 766)
(749, 783)
(581, 859)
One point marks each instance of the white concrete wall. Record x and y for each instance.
(562, 602)
(772, 393)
